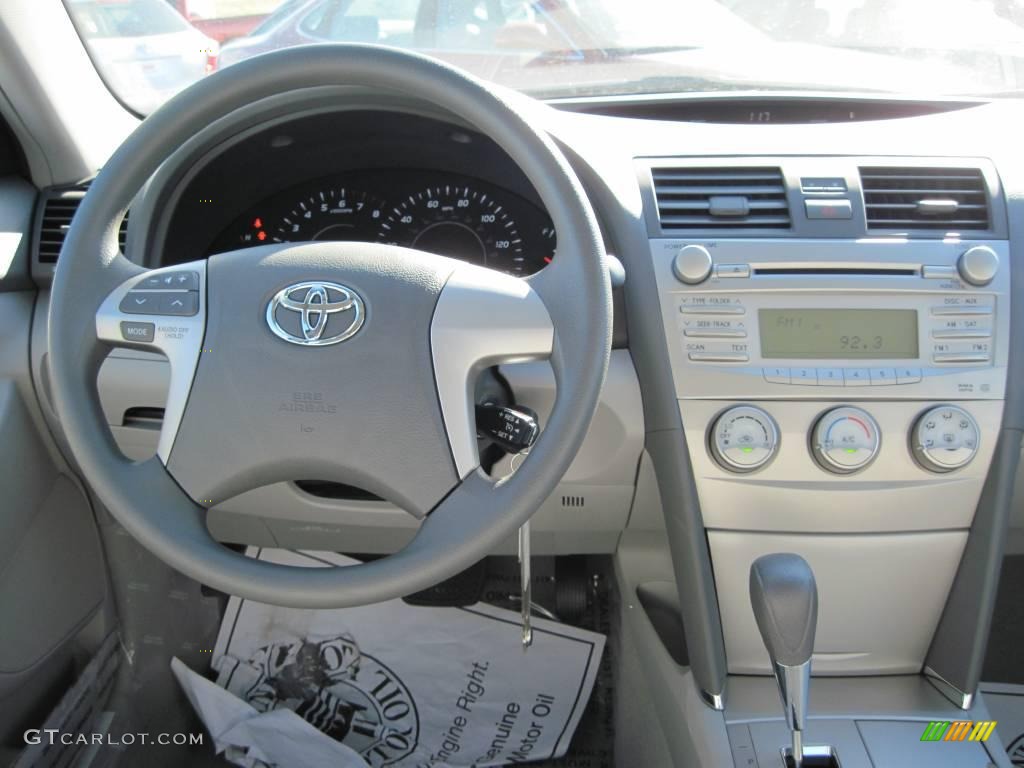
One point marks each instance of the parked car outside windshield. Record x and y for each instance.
(566, 48)
(144, 49)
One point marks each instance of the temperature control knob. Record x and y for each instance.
(692, 264)
(978, 265)
(944, 439)
(845, 440)
(743, 439)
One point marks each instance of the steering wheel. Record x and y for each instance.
(348, 362)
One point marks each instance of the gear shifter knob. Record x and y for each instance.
(784, 597)
(785, 601)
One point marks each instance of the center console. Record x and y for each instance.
(839, 357)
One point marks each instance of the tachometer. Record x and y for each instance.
(337, 213)
(460, 222)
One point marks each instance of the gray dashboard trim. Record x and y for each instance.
(665, 441)
(958, 646)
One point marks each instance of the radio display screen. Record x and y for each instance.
(833, 334)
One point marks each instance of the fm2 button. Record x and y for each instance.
(141, 332)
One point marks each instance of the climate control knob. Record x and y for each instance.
(692, 264)
(978, 265)
(743, 439)
(944, 439)
(845, 440)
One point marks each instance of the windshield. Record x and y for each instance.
(147, 50)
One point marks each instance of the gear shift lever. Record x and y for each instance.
(784, 597)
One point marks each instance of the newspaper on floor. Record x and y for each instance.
(252, 739)
(408, 686)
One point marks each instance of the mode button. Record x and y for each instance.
(132, 331)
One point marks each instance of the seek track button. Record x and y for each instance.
(180, 304)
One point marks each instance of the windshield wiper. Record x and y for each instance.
(591, 55)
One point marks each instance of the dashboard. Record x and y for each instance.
(448, 214)
(813, 308)
(362, 175)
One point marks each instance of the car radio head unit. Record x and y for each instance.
(922, 319)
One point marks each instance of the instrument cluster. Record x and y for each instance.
(442, 213)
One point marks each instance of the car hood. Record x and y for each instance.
(766, 65)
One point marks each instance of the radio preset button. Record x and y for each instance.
(806, 376)
(857, 377)
(883, 376)
(830, 377)
(777, 375)
(908, 375)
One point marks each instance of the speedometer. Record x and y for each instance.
(461, 222)
(336, 213)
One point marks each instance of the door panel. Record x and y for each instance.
(52, 572)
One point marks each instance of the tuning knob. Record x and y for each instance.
(692, 264)
(978, 265)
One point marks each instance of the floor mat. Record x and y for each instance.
(592, 745)
(405, 684)
(162, 614)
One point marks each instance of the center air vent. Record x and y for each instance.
(943, 199)
(720, 198)
(59, 207)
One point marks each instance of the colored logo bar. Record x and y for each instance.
(958, 730)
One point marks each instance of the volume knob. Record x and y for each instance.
(692, 264)
(978, 265)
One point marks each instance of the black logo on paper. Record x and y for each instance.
(345, 693)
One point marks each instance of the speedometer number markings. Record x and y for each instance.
(457, 221)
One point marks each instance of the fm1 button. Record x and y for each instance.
(142, 332)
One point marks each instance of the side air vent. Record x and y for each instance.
(59, 207)
(720, 198)
(943, 199)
